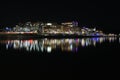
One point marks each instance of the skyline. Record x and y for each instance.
(92, 47)
(57, 24)
(104, 15)
(54, 29)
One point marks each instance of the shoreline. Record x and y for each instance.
(25, 36)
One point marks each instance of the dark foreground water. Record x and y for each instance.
(64, 54)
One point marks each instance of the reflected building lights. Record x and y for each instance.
(94, 43)
(49, 45)
(119, 40)
(83, 43)
(112, 39)
(101, 40)
(49, 49)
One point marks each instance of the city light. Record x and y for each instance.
(50, 29)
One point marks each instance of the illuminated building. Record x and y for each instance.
(66, 28)
(70, 24)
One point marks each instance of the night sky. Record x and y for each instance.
(103, 15)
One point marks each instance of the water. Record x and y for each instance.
(63, 54)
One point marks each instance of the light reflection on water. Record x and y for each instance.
(48, 45)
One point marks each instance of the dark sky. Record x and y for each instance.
(104, 15)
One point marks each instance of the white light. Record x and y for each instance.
(94, 43)
(71, 47)
(7, 46)
(49, 49)
(42, 48)
(49, 24)
(94, 29)
(83, 42)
